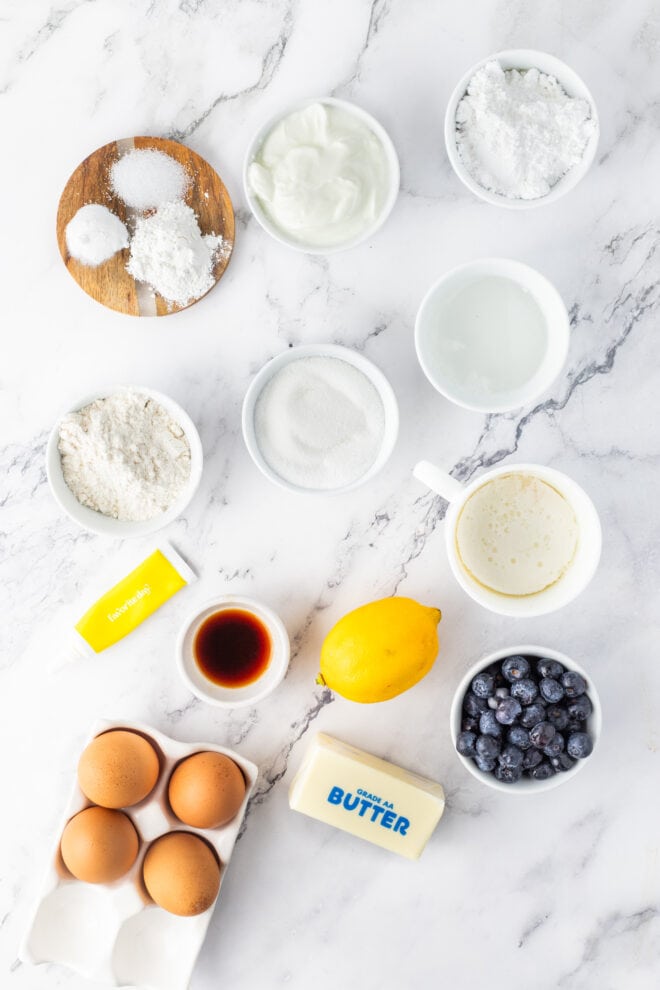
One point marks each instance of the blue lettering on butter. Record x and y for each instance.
(350, 802)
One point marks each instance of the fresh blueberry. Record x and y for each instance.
(579, 745)
(532, 715)
(489, 726)
(470, 724)
(550, 668)
(508, 711)
(532, 758)
(483, 685)
(511, 757)
(555, 746)
(508, 775)
(515, 668)
(488, 747)
(474, 706)
(485, 764)
(542, 771)
(493, 702)
(502, 692)
(519, 737)
(551, 690)
(562, 762)
(465, 744)
(580, 708)
(541, 734)
(524, 690)
(558, 716)
(574, 684)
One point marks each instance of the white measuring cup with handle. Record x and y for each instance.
(581, 568)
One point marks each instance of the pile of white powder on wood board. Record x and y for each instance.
(319, 423)
(519, 132)
(146, 179)
(124, 456)
(94, 234)
(169, 252)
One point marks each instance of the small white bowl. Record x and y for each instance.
(375, 376)
(547, 299)
(250, 694)
(523, 58)
(525, 785)
(393, 163)
(96, 522)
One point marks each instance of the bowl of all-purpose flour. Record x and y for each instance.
(124, 462)
(320, 419)
(521, 129)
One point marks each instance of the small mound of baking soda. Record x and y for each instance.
(94, 234)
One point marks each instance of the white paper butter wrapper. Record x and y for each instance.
(111, 933)
(366, 796)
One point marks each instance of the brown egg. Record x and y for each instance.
(181, 873)
(206, 790)
(118, 769)
(99, 845)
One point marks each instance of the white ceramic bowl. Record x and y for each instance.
(96, 522)
(250, 694)
(547, 299)
(393, 163)
(580, 571)
(375, 376)
(523, 58)
(525, 785)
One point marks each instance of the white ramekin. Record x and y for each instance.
(239, 697)
(525, 785)
(547, 299)
(523, 58)
(375, 376)
(393, 165)
(96, 522)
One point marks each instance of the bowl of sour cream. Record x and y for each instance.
(322, 176)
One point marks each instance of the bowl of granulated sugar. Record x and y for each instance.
(124, 462)
(320, 419)
(521, 129)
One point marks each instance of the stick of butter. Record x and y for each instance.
(366, 796)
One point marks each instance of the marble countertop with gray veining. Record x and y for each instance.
(560, 890)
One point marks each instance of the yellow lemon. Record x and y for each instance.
(380, 650)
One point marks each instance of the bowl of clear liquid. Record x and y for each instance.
(492, 335)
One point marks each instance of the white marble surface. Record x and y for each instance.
(560, 890)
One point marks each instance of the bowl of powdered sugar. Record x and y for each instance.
(521, 129)
(124, 462)
(320, 419)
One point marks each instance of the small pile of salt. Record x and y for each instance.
(145, 179)
(169, 252)
(94, 234)
(319, 423)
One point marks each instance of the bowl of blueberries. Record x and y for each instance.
(525, 719)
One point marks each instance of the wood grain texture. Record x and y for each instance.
(110, 283)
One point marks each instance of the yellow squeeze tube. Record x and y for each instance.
(137, 596)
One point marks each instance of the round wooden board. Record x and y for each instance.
(110, 283)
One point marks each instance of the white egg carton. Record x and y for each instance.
(113, 933)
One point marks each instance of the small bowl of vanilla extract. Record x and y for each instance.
(233, 652)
